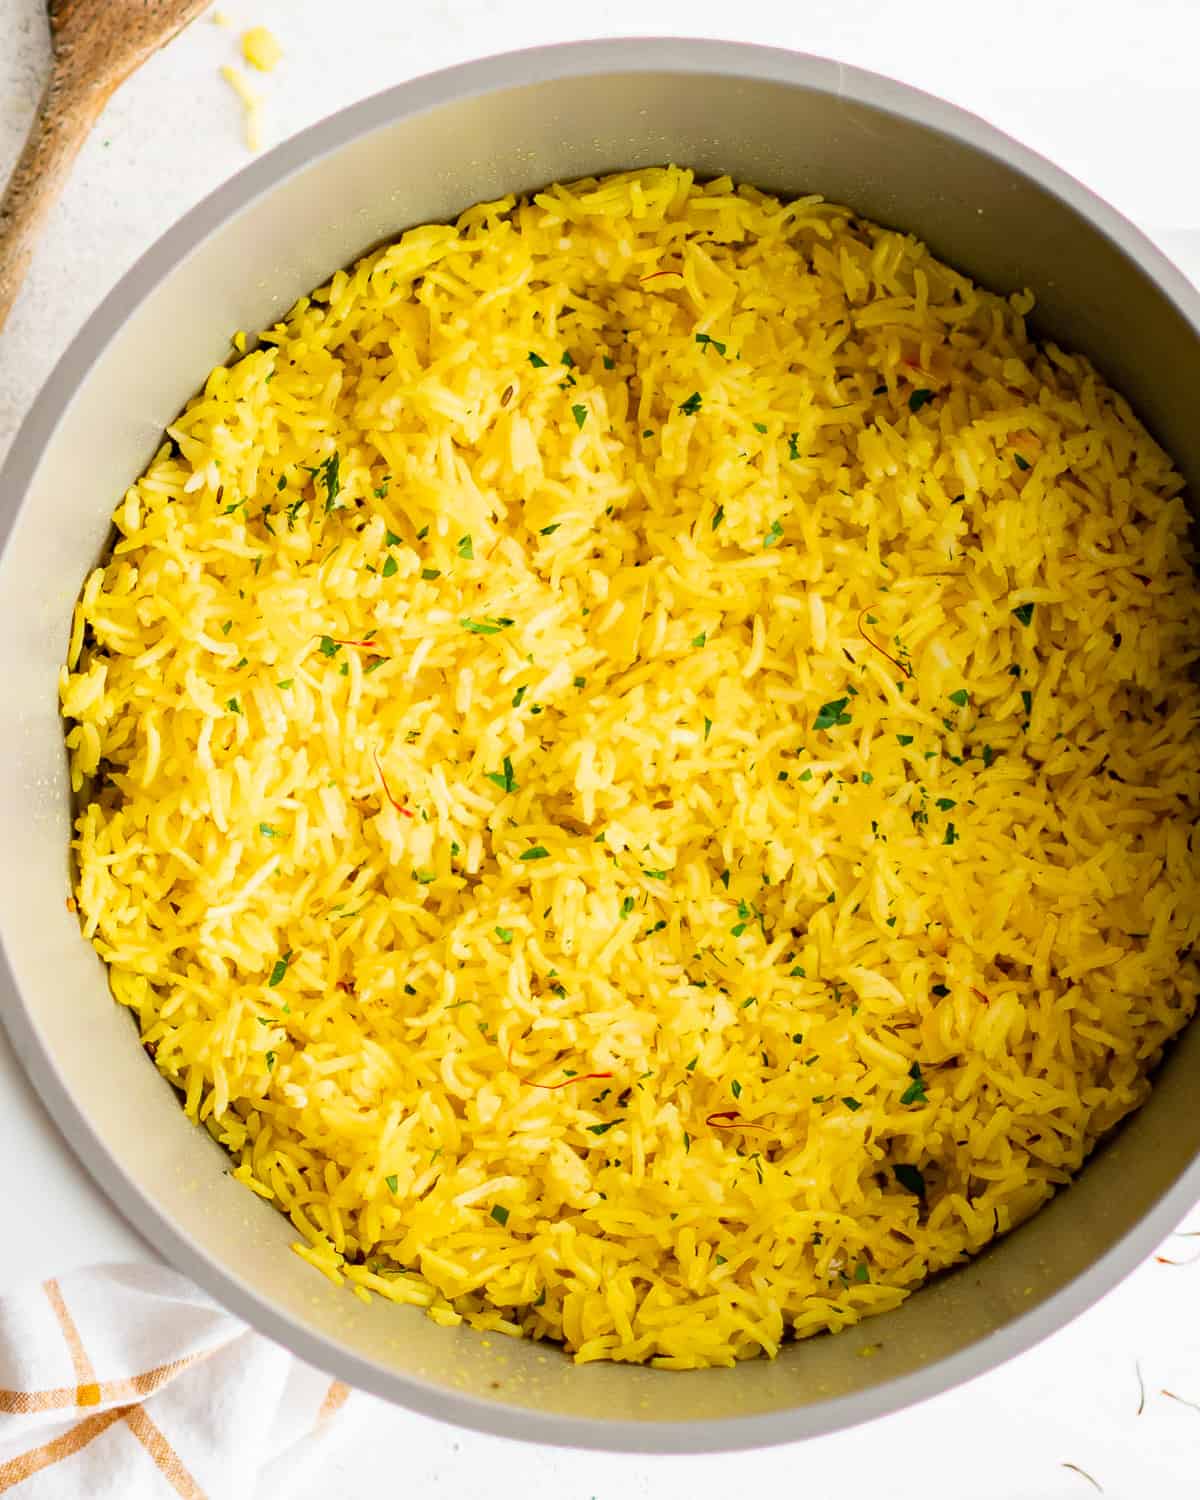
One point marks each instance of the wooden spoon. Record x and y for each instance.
(96, 45)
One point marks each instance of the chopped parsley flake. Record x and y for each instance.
(536, 361)
(390, 539)
(329, 647)
(504, 780)
(910, 1177)
(466, 547)
(550, 530)
(655, 874)
(718, 516)
(703, 338)
(537, 852)
(944, 804)
(707, 727)
(735, 1089)
(1022, 462)
(392, 1183)
(1024, 613)
(491, 626)
(327, 474)
(951, 834)
(626, 906)
(692, 405)
(773, 536)
(233, 705)
(519, 694)
(603, 1129)
(279, 970)
(1027, 700)
(428, 574)
(904, 739)
(918, 399)
(499, 1214)
(850, 1102)
(580, 415)
(961, 697)
(390, 567)
(915, 1092)
(793, 445)
(832, 713)
(760, 427)
(267, 831)
(700, 639)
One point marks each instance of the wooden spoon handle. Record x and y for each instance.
(65, 116)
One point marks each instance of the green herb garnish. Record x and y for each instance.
(499, 1214)
(537, 852)
(703, 338)
(918, 399)
(390, 567)
(504, 780)
(536, 361)
(961, 697)
(1024, 613)
(915, 1092)
(910, 1177)
(580, 415)
(773, 535)
(692, 405)
(832, 713)
(492, 626)
(280, 969)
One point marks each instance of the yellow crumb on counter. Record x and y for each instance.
(252, 102)
(261, 49)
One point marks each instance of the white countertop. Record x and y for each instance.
(1111, 92)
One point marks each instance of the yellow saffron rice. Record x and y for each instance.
(637, 767)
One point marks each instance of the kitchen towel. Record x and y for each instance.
(128, 1383)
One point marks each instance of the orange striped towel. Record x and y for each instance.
(127, 1383)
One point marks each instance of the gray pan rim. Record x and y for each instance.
(506, 71)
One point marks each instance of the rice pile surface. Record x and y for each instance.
(638, 767)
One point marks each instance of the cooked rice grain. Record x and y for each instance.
(654, 632)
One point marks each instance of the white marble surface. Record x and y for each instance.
(1110, 91)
